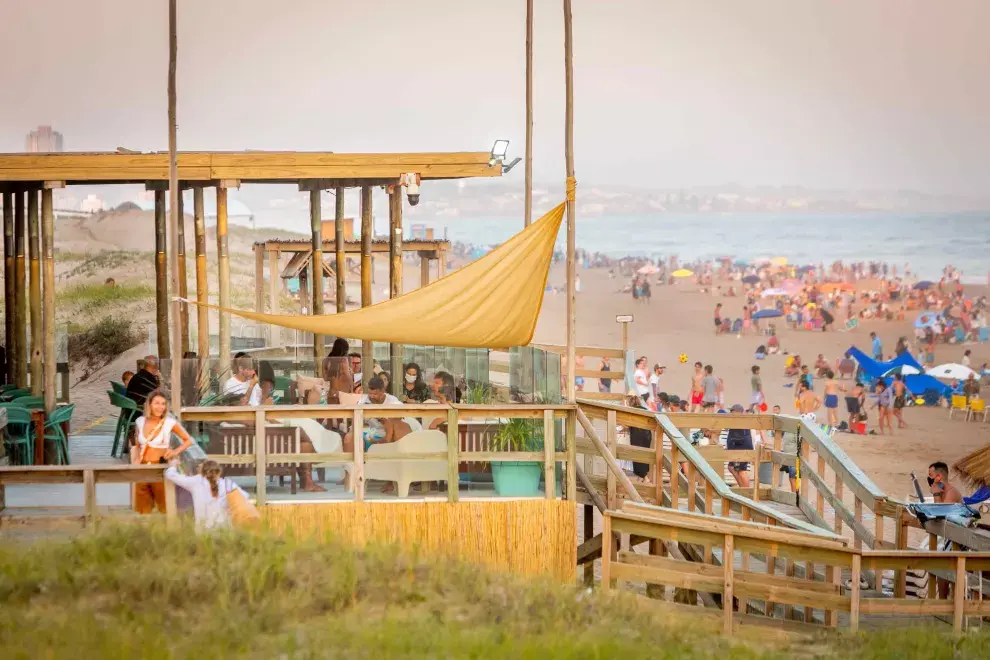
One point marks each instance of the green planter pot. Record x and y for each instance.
(517, 478)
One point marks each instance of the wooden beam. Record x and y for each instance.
(395, 275)
(10, 296)
(183, 288)
(202, 287)
(223, 262)
(37, 329)
(341, 258)
(453, 474)
(424, 270)
(48, 275)
(20, 291)
(274, 278)
(316, 263)
(367, 231)
(161, 278)
(528, 196)
(259, 280)
(571, 210)
(178, 252)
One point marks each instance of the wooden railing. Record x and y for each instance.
(830, 600)
(618, 377)
(89, 476)
(355, 417)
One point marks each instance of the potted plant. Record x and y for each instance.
(518, 478)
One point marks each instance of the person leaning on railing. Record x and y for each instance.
(154, 432)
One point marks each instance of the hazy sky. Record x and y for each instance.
(823, 93)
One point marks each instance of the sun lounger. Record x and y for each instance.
(404, 473)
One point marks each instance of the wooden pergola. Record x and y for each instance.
(27, 182)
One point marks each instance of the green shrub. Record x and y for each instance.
(101, 344)
(87, 298)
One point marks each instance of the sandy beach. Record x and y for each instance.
(679, 320)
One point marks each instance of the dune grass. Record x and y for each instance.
(140, 592)
(97, 297)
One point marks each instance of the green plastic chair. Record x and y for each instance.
(16, 393)
(118, 388)
(128, 413)
(19, 435)
(53, 431)
(29, 402)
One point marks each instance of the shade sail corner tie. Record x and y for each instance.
(571, 188)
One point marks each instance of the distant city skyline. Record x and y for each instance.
(43, 140)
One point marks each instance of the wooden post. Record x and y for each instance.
(441, 264)
(202, 288)
(161, 278)
(854, 593)
(20, 292)
(959, 595)
(175, 195)
(727, 584)
(89, 499)
(357, 475)
(675, 478)
(858, 514)
(877, 531)
(607, 543)
(570, 431)
(589, 532)
(528, 218)
(692, 486)
(424, 269)
(549, 449)
(171, 512)
(259, 279)
(341, 256)
(367, 232)
(316, 227)
(37, 329)
(180, 244)
(274, 279)
(838, 497)
(260, 456)
(571, 218)
(48, 274)
(820, 499)
(395, 275)
(223, 263)
(8, 281)
(453, 478)
(611, 442)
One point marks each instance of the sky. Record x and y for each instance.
(848, 94)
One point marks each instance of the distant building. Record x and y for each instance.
(92, 204)
(43, 140)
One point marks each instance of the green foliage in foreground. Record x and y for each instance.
(88, 298)
(139, 592)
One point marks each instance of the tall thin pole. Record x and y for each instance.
(529, 113)
(202, 288)
(180, 244)
(367, 230)
(37, 330)
(341, 258)
(8, 280)
(20, 291)
(571, 220)
(48, 293)
(161, 278)
(173, 221)
(316, 227)
(395, 274)
(223, 286)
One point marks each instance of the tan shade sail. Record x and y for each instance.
(491, 303)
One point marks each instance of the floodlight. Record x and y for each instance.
(499, 151)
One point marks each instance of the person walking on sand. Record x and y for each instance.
(807, 401)
(832, 389)
(877, 347)
(901, 393)
(718, 318)
(885, 399)
(758, 397)
(710, 388)
(697, 391)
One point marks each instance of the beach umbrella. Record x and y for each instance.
(804, 269)
(791, 286)
(951, 371)
(751, 279)
(926, 320)
(768, 314)
(772, 293)
(902, 369)
(740, 263)
(924, 285)
(648, 269)
(779, 261)
(683, 272)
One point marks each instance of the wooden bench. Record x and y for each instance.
(233, 446)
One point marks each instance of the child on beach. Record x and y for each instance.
(209, 494)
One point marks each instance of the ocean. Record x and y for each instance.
(926, 241)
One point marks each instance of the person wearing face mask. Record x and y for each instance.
(414, 388)
(938, 482)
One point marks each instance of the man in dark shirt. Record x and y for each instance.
(144, 382)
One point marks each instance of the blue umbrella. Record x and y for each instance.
(768, 314)
(923, 286)
(751, 279)
(927, 319)
(740, 262)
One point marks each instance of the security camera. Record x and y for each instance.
(411, 182)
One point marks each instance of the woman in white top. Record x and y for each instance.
(154, 433)
(209, 494)
(642, 379)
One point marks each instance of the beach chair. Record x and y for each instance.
(977, 407)
(54, 432)
(19, 435)
(281, 392)
(127, 413)
(960, 336)
(15, 393)
(119, 388)
(405, 472)
(958, 403)
(984, 334)
(737, 326)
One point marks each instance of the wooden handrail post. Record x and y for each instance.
(357, 476)
(453, 478)
(674, 477)
(589, 531)
(260, 460)
(838, 498)
(727, 588)
(858, 508)
(607, 543)
(549, 448)
(89, 498)
(590, 489)
(171, 506)
(611, 443)
(610, 461)
(959, 595)
(854, 593)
